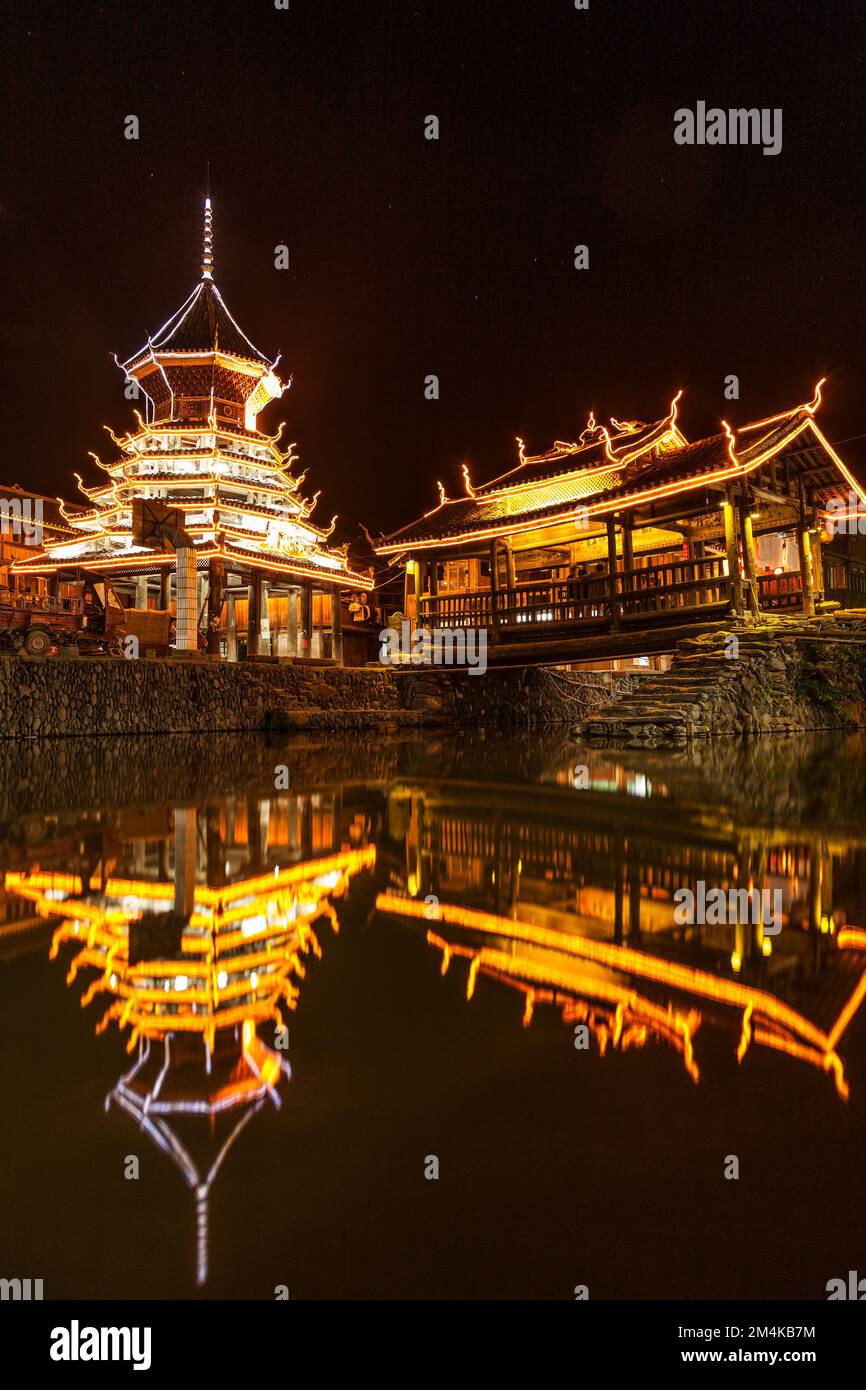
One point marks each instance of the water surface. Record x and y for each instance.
(286, 975)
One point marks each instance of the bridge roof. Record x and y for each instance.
(616, 471)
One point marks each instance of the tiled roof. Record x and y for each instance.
(202, 324)
(490, 507)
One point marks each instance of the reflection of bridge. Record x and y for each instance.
(568, 895)
(607, 987)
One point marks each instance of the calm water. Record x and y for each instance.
(436, 922)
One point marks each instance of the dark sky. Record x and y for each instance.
(411, 256)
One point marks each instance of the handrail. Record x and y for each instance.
(659, 588)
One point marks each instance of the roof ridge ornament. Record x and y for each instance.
(815, 402)
(207, 243)
(593, 430)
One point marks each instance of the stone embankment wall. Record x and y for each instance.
(775, 677)
(56, 696)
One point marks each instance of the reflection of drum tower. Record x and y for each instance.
(193, 971)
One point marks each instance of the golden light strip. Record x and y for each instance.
(622, 958)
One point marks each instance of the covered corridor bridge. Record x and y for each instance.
(624, 540)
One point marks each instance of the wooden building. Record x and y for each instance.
(631, 526)
(263, 563)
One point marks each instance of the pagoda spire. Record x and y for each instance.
(207, 246)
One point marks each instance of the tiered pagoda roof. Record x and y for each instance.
(199, 451)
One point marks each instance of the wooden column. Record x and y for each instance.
(817, 565)
(510, 569)
(612, 584)
(805, 551)
(627, 551)
(306, 618)
(165, 588)
(141, 592)
(730, 516)
(231, 627)
(265, 638)
(494, 583)
(214, 606)
(410, 589)
(336, 627)
(254, 616)
(750, 564)
(292, 608)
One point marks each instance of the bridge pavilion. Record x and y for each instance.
(632, 528)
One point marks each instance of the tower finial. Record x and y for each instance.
(207, 251)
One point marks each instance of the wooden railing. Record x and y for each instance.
(675, 584)
(655, 589)
(584, 600)
(780, 590)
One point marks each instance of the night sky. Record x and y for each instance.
(411, 256)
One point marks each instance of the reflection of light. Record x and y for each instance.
(222, 979)
(766, 946)
(180, 982)
(327, 880)
(778, 1024)
(638, 785)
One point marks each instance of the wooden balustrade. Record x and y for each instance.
(645, 592)
(780, 590)
(675, 584)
